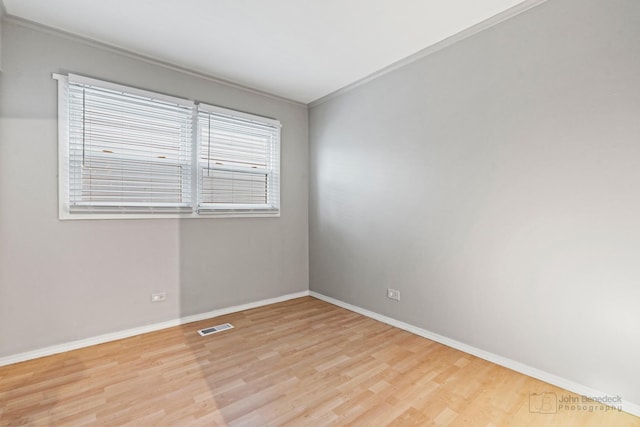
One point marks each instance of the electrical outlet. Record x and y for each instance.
(393, 294)
(158, 296)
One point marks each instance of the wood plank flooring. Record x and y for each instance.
(301, 363)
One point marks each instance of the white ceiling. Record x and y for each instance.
(297, 49)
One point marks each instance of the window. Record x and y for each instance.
(125, 152)
(238, 161)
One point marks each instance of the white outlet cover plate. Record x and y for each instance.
(157, 297)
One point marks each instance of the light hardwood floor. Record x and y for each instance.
(301, 362)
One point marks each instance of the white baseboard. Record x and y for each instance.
(113, 336)
(564, 383)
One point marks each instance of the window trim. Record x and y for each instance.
(64, 212)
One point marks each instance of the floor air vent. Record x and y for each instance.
(212, 330)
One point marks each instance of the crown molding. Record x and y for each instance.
(444, 43)
(141, 57)
(475, 29)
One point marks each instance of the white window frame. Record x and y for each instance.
(217, 211)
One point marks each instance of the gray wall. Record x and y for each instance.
(496, 184)
(1, 23)
(85, 278)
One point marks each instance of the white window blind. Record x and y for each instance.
(238, 162)
(128, 150)
(130, 153)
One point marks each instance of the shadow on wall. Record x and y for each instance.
(226, 263)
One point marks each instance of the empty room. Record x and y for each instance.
(320, 213)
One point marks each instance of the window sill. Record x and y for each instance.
(66, 216)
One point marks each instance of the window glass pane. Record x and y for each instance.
(220, 186)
